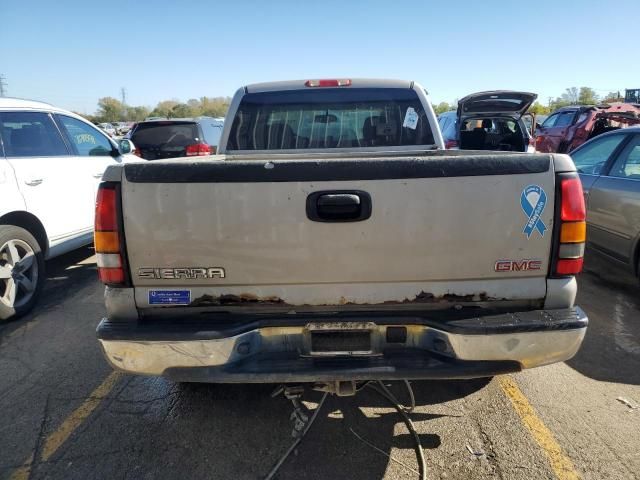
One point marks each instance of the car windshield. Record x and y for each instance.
(330, 118)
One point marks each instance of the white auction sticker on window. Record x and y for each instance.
(410, 119)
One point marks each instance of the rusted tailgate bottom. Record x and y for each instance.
(357, 349)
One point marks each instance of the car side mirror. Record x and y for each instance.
(126, 146)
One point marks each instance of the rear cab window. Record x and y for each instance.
(330, 118)
(31, 134)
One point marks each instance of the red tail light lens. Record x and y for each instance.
(137, 152)
(571, 266)
(198, 149)
(106, 213)
(573, 209)
(107, 236)
(571, 230)
(111, 276)
(451, 144)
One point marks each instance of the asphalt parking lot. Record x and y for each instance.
(65, 414)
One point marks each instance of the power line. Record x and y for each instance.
(3, 86)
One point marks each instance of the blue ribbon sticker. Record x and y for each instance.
(533, 211)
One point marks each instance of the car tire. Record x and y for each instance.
(22, 271)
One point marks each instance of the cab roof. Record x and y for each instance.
(300, 84)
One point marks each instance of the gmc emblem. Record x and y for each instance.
(517, 265)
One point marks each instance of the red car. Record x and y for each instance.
(569, 127)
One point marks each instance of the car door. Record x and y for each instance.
(553, 131)
(614, 202)
(94, 152)
(593, 159)
(47, 174)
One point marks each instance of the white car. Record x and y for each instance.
(108, 128)
(51, 163)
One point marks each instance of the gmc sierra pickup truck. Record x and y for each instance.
(332, 239)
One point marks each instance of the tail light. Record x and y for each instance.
(198, 149)
(137, 152)
(108, 236)
(531, 147)
(572, 232)
(327, 82)
(450, 144)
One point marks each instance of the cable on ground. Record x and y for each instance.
(384, 391)
(297, 440)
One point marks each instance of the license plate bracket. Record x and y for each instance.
(334, 339)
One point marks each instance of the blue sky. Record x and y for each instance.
(70, 53)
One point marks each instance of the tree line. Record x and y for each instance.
(113, 110)
(571, 96)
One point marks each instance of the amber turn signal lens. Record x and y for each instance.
(573, 232)
(107, 242)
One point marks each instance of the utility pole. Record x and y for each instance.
(3, 86)
(123, 95)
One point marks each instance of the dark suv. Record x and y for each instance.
(179, 137)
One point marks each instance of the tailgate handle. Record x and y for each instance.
(339, 206)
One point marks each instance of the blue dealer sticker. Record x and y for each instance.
(169, 297)
(533, 200)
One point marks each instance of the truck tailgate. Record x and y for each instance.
(223, 233)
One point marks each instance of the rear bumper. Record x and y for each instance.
(282, 349)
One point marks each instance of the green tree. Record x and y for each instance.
(612, 97)
(182, 110)
(570, 96)
(137, 114)
(539, 109)
(587, 96)
(195, 105)
(164, 108)
(110, 110)
(215, 107)
(442, 107)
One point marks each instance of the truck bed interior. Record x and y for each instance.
(483, 133)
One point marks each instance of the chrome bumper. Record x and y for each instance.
(473, 347)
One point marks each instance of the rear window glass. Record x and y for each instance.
(330, 118)
(163, 133)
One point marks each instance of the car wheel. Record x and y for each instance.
(21, 271)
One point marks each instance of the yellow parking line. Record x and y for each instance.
(24, 471)
(55, 440)
(560, 462)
